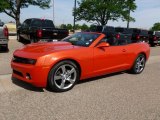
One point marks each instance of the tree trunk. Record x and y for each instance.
(18, 13)
(17, 19)
(103, 22)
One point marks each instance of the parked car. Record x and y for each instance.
(110, 32)
(35, 29)
(154, 38)
(3, 37)
(82, 55)
(138, 35)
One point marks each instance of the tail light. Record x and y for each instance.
(39, 33)
(5, 31)
(118, 36)
(154, 38)
(137, 37)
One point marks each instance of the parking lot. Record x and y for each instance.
(120, 96)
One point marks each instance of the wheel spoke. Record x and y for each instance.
(71, 71)
(57, 77)
(62, 84)
(71, 80)
(63, 69)
(142, 60)
(138, 69)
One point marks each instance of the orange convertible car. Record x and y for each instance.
(83, 55)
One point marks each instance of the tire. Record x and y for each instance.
(63, 76)
(19, 38)
(7, 48)
(139, 64)
(152, 45)
(33, 40)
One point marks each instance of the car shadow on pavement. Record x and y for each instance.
(29, 87)
(100, 77)
(26, 85)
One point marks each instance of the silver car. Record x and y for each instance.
(3, 37)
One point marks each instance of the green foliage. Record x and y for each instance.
(13, 7)
(84, 27)
(156, 27)
(69, 27)
(101, 11)
(63, 26)
(77, 27)
(92, 27)
(3, 5)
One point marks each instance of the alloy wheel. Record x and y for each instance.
(140, 64)
(65, 76)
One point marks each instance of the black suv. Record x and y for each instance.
(154, 38)
(138, 35)
(111, 33)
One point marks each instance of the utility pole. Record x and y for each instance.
(74, 23)
(53, 13)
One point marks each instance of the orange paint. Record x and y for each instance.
(93, 61)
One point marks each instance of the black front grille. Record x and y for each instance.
(23, 60)
(17, 73)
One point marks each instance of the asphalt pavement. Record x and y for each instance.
(120, 96)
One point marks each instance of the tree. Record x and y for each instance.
(130, 6)
(84, 27)
(69, 27)
(13, 7)
(63, 26)
(77, 27)
(156, 27)
(101, 11)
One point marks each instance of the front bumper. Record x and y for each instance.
(38, 74)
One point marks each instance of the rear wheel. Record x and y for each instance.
(152, 45)
(33, 40)
(7, 48)
(139, 64)
(63, 76)
(19, 38)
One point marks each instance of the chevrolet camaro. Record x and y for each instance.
(82, 55)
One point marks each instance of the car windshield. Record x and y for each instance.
(82, 39)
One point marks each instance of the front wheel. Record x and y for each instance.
(139, 64)
(63, 76)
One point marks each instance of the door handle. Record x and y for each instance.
(124, 50)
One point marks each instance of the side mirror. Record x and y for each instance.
(103, 44)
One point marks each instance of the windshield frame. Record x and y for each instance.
(85, 42)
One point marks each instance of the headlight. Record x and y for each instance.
(24, 60)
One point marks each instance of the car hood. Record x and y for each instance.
(39, 49)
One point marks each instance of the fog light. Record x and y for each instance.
(28, 76)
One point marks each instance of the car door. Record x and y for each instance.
(110, 59)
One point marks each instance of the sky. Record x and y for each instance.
(146, 14)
